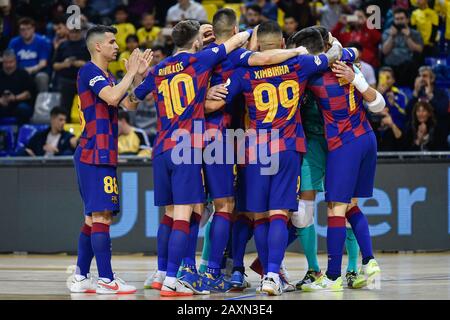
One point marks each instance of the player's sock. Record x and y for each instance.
(242, 228)
(164, 230)
(206, 249)
(360, 228)
(189, 259)
(220, 233)
(101, 246)
(335, 244)
(178, 244)
(292, 233)
(85, 252)
(277, 242)
(261, 232)
(351, 245)
(308, 240)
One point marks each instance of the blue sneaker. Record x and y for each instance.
(238, 280)
(216, 284)
(193, 281)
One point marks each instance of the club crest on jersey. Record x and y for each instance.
(317, 60)
(215, 50)
(93, 81)
(114, 200)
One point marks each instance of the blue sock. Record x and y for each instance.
(261, 232)
(292, 233)
(219, 234)
(336, 234)
(277, 242)
(164, 230)
(101, 246)
(85, 253)
(242, 228)
(178, 245)
(361, 230)
(189, 259)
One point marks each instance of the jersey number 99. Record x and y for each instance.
(172, 95)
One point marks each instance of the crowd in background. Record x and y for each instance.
(407, 60)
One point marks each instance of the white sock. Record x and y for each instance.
(170, 281)
(274, 276)
(163, 273)
(105, 280)
(79, 277)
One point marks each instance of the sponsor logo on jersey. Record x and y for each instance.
(93, 81)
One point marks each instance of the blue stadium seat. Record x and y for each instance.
(6, 141)
(25, 133)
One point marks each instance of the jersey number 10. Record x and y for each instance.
(172, 95)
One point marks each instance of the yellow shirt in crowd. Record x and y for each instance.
(123, 31)
(145, 36)
(442, 7)
(424, 20)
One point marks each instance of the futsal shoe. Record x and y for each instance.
(272, 287)
(352, 277)
(116, 286)
(284, 277)
(216, 284)
(323, 283)
(239, 281)
(309, 277)
(154, 281)
(82, 284)
(369, 273)
(193, 281)
(178, 289)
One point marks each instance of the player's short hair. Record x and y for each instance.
(185, 32)
(56, 111)
(269, 28)
(323, 32)
(224, 21)
(123, 115)
(98, 30)
(254, 7)
(27, 21)
(310, 38)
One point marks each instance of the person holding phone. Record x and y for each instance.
(401, 48)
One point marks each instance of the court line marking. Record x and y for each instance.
(242, 297)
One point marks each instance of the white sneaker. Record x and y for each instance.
(177, 290)
(284, 277)
(367, 274)
(272, 287)
(117, 286)
(82, 284)
(323, 283)
(154, 281)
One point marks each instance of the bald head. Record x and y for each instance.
(270, 36)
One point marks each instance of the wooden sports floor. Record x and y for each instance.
(404, 276)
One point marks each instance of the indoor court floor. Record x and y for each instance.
(404, 276)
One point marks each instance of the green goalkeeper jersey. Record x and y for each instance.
(312, 119)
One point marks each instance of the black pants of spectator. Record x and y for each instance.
(68, 90)
(22, 111)
(405, 74)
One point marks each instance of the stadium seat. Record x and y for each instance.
(6, 141)
(73, 128)
(8, 121)
(236, 7)
(45, 102)
(26, 132)
(75, 110)
(210, 9)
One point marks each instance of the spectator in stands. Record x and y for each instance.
(252, 17)
(103, 7)
(124, 28)
(69, 58)
(393, 118)
(88, 11)
(159, 54)
(132, 43)
(425, 89)
(54, 141)
(269, 10)
(33, 52)
(300, 10)
(132, 141)
(290, 26)
(61, 32)
(401, 48)
(443, 8)
(186, 9)
(423, 134)
(6, 24)
(366, 69)
(145, 117)
(16, 90)
(426, 21)
(330, 13)
(357, 30)
(149, 32)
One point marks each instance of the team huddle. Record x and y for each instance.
(302, 110)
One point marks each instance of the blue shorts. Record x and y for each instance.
(98, 186)
(177, 183)
(351, 170)
(261, 193)
(220, 177)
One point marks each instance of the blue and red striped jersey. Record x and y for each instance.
(98, 141)
(272, 98)
(179, 85)
(342, 107)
